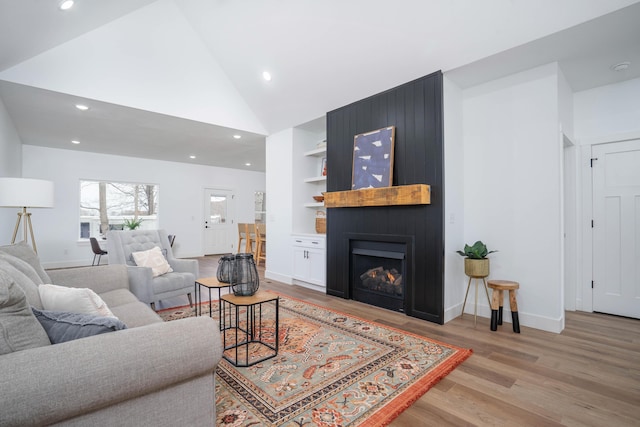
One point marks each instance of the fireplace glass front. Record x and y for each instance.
(377, 273)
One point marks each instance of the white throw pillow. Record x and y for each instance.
(154, 259)
(74, 300)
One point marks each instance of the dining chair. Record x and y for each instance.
(97, 250)
(261, 243)
(243, 230)
(251, 239)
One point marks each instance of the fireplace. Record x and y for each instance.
(378, 273)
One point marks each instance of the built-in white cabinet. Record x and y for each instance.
(309, 151)
(309, 260)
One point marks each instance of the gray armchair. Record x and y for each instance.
(149, 289)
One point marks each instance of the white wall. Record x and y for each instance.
(181, 195)
(454, 175)
(569, 206)
(10, 148)
(565, 106)
(607, 112)
(279, 149)
(10, 166)
(512, 191)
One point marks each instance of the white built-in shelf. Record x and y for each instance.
(316, 179)
(318, 152)
(314, 205)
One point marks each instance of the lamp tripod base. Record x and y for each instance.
(25, 218)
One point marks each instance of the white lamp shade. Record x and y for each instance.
(26, 192)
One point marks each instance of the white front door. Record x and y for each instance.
(219, 221)
(616, 229)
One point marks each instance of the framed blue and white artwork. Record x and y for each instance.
(373, 159)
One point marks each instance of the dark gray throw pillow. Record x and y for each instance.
(64, 326)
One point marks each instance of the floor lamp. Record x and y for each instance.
(25, 193)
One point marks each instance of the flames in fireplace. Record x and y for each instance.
(381, 280)
(378, 272)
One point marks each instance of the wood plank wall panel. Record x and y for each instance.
(415, 108)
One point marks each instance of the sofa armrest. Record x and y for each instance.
(100, 279)
(140, 279)
(50, 384)
(185, 266)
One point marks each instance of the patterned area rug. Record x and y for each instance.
(331, 370)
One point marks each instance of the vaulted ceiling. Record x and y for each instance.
(167, 79)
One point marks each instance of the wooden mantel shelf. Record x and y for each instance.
(415, 194)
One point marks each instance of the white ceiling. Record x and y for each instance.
(323, 55)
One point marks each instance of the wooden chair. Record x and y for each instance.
(243, 229)
(261, 243)
(246, 232)
(251, 239)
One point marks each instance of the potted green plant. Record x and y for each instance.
(476, 263)
(132, 224)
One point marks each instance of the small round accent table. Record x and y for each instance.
(497, 298)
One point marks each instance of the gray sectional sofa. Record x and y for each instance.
(153, 373)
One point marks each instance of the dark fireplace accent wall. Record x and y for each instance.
(415, 108)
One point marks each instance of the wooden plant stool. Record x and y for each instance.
(497, 299)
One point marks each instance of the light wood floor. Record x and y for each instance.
(589, 375)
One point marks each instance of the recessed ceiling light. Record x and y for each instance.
(82, 107)
(66, 5)
(192, 157)
(75, 141)
(247, 164)
(237, 136)
(266, 75)
(620, 66)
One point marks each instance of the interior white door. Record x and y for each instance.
(616, 229)
(219, 221)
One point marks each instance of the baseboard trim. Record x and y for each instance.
(70, 264)
(277, 277)
(526, 319)
(311, 286)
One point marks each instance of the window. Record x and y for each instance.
(116, 206)
(218, 210)
(260, 199)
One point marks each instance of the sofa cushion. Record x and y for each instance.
(19, 329)
(153, 259)
(29, 287)
(63, 326)
(76, 300)
(136, 314)
(23, 251)
(118, 297)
